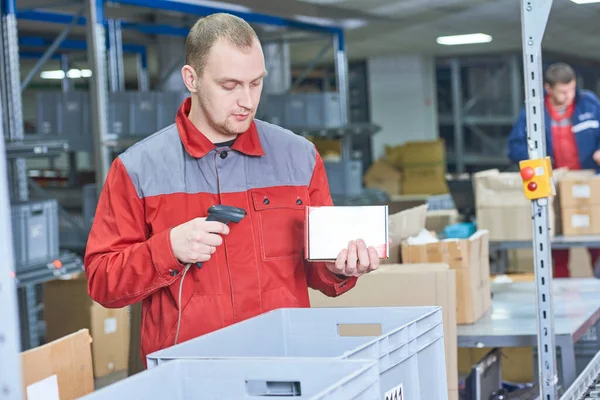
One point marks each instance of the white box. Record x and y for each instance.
(329, 229)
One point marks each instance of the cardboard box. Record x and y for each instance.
(402, 225)
(69, 308)
(328, 230)
(401, 285)
(417, 153)
(503, 209)
(579, 188)
(470, 259)
(385, 177)
(580, 220)
(59, 369)
(429, 180)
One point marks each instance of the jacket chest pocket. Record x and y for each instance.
(280, 214)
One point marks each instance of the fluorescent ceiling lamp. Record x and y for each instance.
(314, 20)
(585, 1)
(353, 23)
(464, 39)
(72, 74)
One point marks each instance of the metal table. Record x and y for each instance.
(511, 322)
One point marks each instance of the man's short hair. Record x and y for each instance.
(207, 30)
(559, 73)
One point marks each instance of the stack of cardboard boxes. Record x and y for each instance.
(412, 168)
(453, 274)
(503, 209)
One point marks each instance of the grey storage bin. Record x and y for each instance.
(167, 105)
(66, 116)
(323, 110)
(132, 113)
(344, 177)
(35, 232)
(408, 343)
(315, 379)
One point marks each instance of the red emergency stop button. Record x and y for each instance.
(532, 186)
(527, 173)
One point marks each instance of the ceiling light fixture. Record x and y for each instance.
(585, 1)
(72, 74)
(464, 39)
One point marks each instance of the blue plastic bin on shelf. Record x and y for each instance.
(314, 379)
(408, 343)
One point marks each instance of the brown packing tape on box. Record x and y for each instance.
(402, 285)
(402, 225)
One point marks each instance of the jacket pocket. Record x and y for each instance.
(280, 220)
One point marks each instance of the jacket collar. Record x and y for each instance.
(198, 145)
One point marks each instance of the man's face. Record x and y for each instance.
(562, 94)
(230, 85)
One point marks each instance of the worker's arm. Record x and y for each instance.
(123, 264)
(517, 141)
(317, 274)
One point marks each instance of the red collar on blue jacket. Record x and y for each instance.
(198, 145)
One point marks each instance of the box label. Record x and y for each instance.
(580, 221)
(581, 191)
(110, 325)
(394, 394)
(46, 389)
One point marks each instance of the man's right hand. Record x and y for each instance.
(196, 240)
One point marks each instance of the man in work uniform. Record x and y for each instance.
(572, 136)
(149, 224)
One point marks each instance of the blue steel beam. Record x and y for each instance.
(62, 18)
(199, 10)
(71, 44)
(34, 55)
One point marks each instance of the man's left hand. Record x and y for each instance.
(356, 260)
(596, 157)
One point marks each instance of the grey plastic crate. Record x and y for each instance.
(132, 113)
(303, 110)
(35, 232)
(315, 379)
(67, 116)
(167, 105)
(344, 177)
(322, 110)
(409, 343)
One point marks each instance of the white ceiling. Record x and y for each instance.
(392, 26)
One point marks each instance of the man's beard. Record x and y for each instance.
(225, 128)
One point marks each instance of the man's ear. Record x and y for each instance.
(190, 78)
(547, 87)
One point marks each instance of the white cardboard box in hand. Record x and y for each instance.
(329, 230)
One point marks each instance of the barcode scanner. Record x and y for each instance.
(224, 214)
(221, 213)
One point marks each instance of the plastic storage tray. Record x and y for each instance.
(408, 342)
(35, 232)
(250, 379)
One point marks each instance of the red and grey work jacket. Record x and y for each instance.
(174, 176)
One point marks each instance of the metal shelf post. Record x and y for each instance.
(534, 17)
(10, 359)
(96, 49)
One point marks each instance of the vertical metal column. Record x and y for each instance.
(10, 359)
(457, 114)
(66, 83)
(11, 97)
(341, 72)
(96, 47)
(142, 68)
(515, 83)
(115, 53)
(534, 16)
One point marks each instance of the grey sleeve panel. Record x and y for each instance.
(159, 164)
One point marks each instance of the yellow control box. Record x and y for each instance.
(537, 178)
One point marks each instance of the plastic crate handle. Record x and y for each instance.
(271, 388)
(359, 329)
